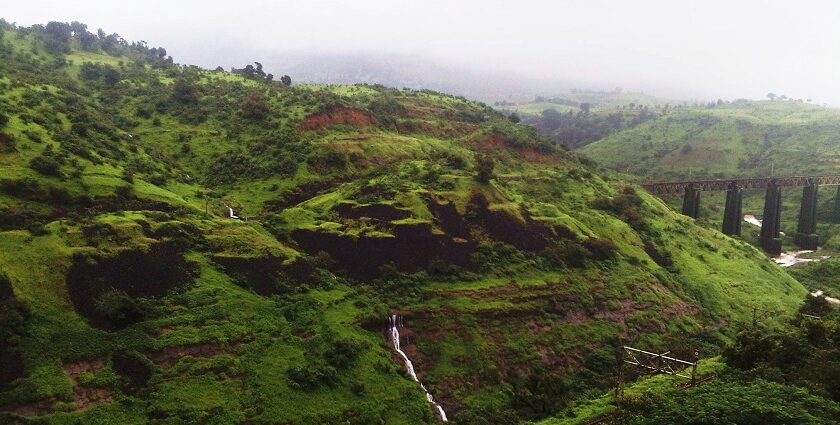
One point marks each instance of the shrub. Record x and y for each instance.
(484, 165)
(14, 314)
(46, 165)
(7, 143)
(569, 252)
(254, 106)
(118, 308)
(310, 377)
(342, 353)
(134, 368)
(601, 249)
(124, 192)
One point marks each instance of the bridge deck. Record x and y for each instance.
(662, 188)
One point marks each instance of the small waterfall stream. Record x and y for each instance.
(394, 324)
(231, 212)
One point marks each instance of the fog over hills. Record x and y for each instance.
(686, 50)
(417, 72)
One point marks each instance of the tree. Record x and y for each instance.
(219, 69)
(78, 27)
(57, 36)
(249, 71)
(551, 119)
(514, 118)
(771, 96)
(87, 41)
(484, 165)
(286, 80)
(585, 107)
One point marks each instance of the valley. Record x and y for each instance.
(185, 245)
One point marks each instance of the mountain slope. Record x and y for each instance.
(740, 139)
(182, 244)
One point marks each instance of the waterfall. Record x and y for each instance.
(394, 323)
(230, 211)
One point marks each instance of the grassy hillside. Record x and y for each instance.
(129, 293)
(743, 139)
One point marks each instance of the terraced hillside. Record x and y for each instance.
(182, 245)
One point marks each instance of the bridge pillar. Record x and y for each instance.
(732, 215)
(806, 231)
(835, 212)
(691, 201)
(771, 242)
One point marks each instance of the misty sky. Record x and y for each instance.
(703, 49)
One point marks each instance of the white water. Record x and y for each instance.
(752, 220)
(394, 323)
(788, 258)
(792, 258)
(830, 300)
(230, 211)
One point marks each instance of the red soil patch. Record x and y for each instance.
(170, 355)
(533, 155)
(627, 308)
(341, 115)
(85, 396)
(496, 141)
(77, 368)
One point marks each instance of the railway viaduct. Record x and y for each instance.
(770, 237)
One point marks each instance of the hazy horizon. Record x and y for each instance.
(702, 50)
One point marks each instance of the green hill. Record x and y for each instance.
(741, 139)
(182, 245)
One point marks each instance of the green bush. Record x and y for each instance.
(484, 165)
(601, 249)
(310, 377)
(118, 308)
(46, 165)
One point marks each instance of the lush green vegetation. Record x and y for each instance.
(765, 376)
(130, 295)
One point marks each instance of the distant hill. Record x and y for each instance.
(742, 139)
(580, 117)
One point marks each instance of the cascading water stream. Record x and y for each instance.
(230, 211)
(394, 323)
